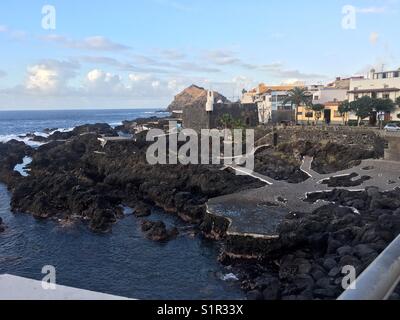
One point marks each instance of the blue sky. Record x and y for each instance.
(141, 53)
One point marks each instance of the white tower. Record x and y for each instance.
(210, 101)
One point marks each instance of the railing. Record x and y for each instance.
(380, 279)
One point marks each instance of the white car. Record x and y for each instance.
(392, 127)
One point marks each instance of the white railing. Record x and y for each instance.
(380, 279)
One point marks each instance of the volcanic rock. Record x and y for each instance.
(193, 95)
(157, 231)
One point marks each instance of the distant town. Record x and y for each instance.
(371, 100)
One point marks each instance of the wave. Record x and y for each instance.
(8, 137)
(116, 124)
(229, 277)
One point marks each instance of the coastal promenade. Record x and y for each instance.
(259, 212)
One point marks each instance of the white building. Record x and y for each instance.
(326, 94)
(385, 85)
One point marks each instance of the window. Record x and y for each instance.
(337, 114)
(356, 97)
(316, 97)
(374, 95)
(386, 96)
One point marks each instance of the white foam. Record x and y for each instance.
(8, 137)
(229, 277)
(116, 124)
(21, 167)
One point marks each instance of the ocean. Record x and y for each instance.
(122, 262)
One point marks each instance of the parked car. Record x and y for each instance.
(392, 127)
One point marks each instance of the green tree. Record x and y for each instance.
(383, 105)
(318, 108)
(362, 107)
(344, 108)
(398, 101)
(226, 121)
(297, 97)
(238, 124)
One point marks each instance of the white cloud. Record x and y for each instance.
(222, 57)
(103, 83)
(373, 38)
(13, 34)
(371, 10)
(172, 54)
(50, 76)
(96, 43)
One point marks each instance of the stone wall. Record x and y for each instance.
(279, 116)
(392, 153)
(195, 117)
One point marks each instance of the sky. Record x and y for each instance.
(140, 53)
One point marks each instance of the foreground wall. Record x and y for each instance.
(392, 153)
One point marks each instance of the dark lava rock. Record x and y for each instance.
(346, 181)
(345, 250)
(2, 226)
(157, 231)
(142, 210)
(11, 154)
(255, 295)
(78, 177)
(98, 129)
(279, 165)
(272, 290)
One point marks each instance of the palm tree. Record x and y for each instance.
(238, 124)
(298, 96)
(226, 120)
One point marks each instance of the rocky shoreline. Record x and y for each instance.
(73, 177)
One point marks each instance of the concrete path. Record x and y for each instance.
(258, 212)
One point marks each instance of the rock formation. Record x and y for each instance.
(193, 95)
(157, 231)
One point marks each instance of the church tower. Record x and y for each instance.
(210, 101)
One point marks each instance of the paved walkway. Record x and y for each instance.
(258, 212)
